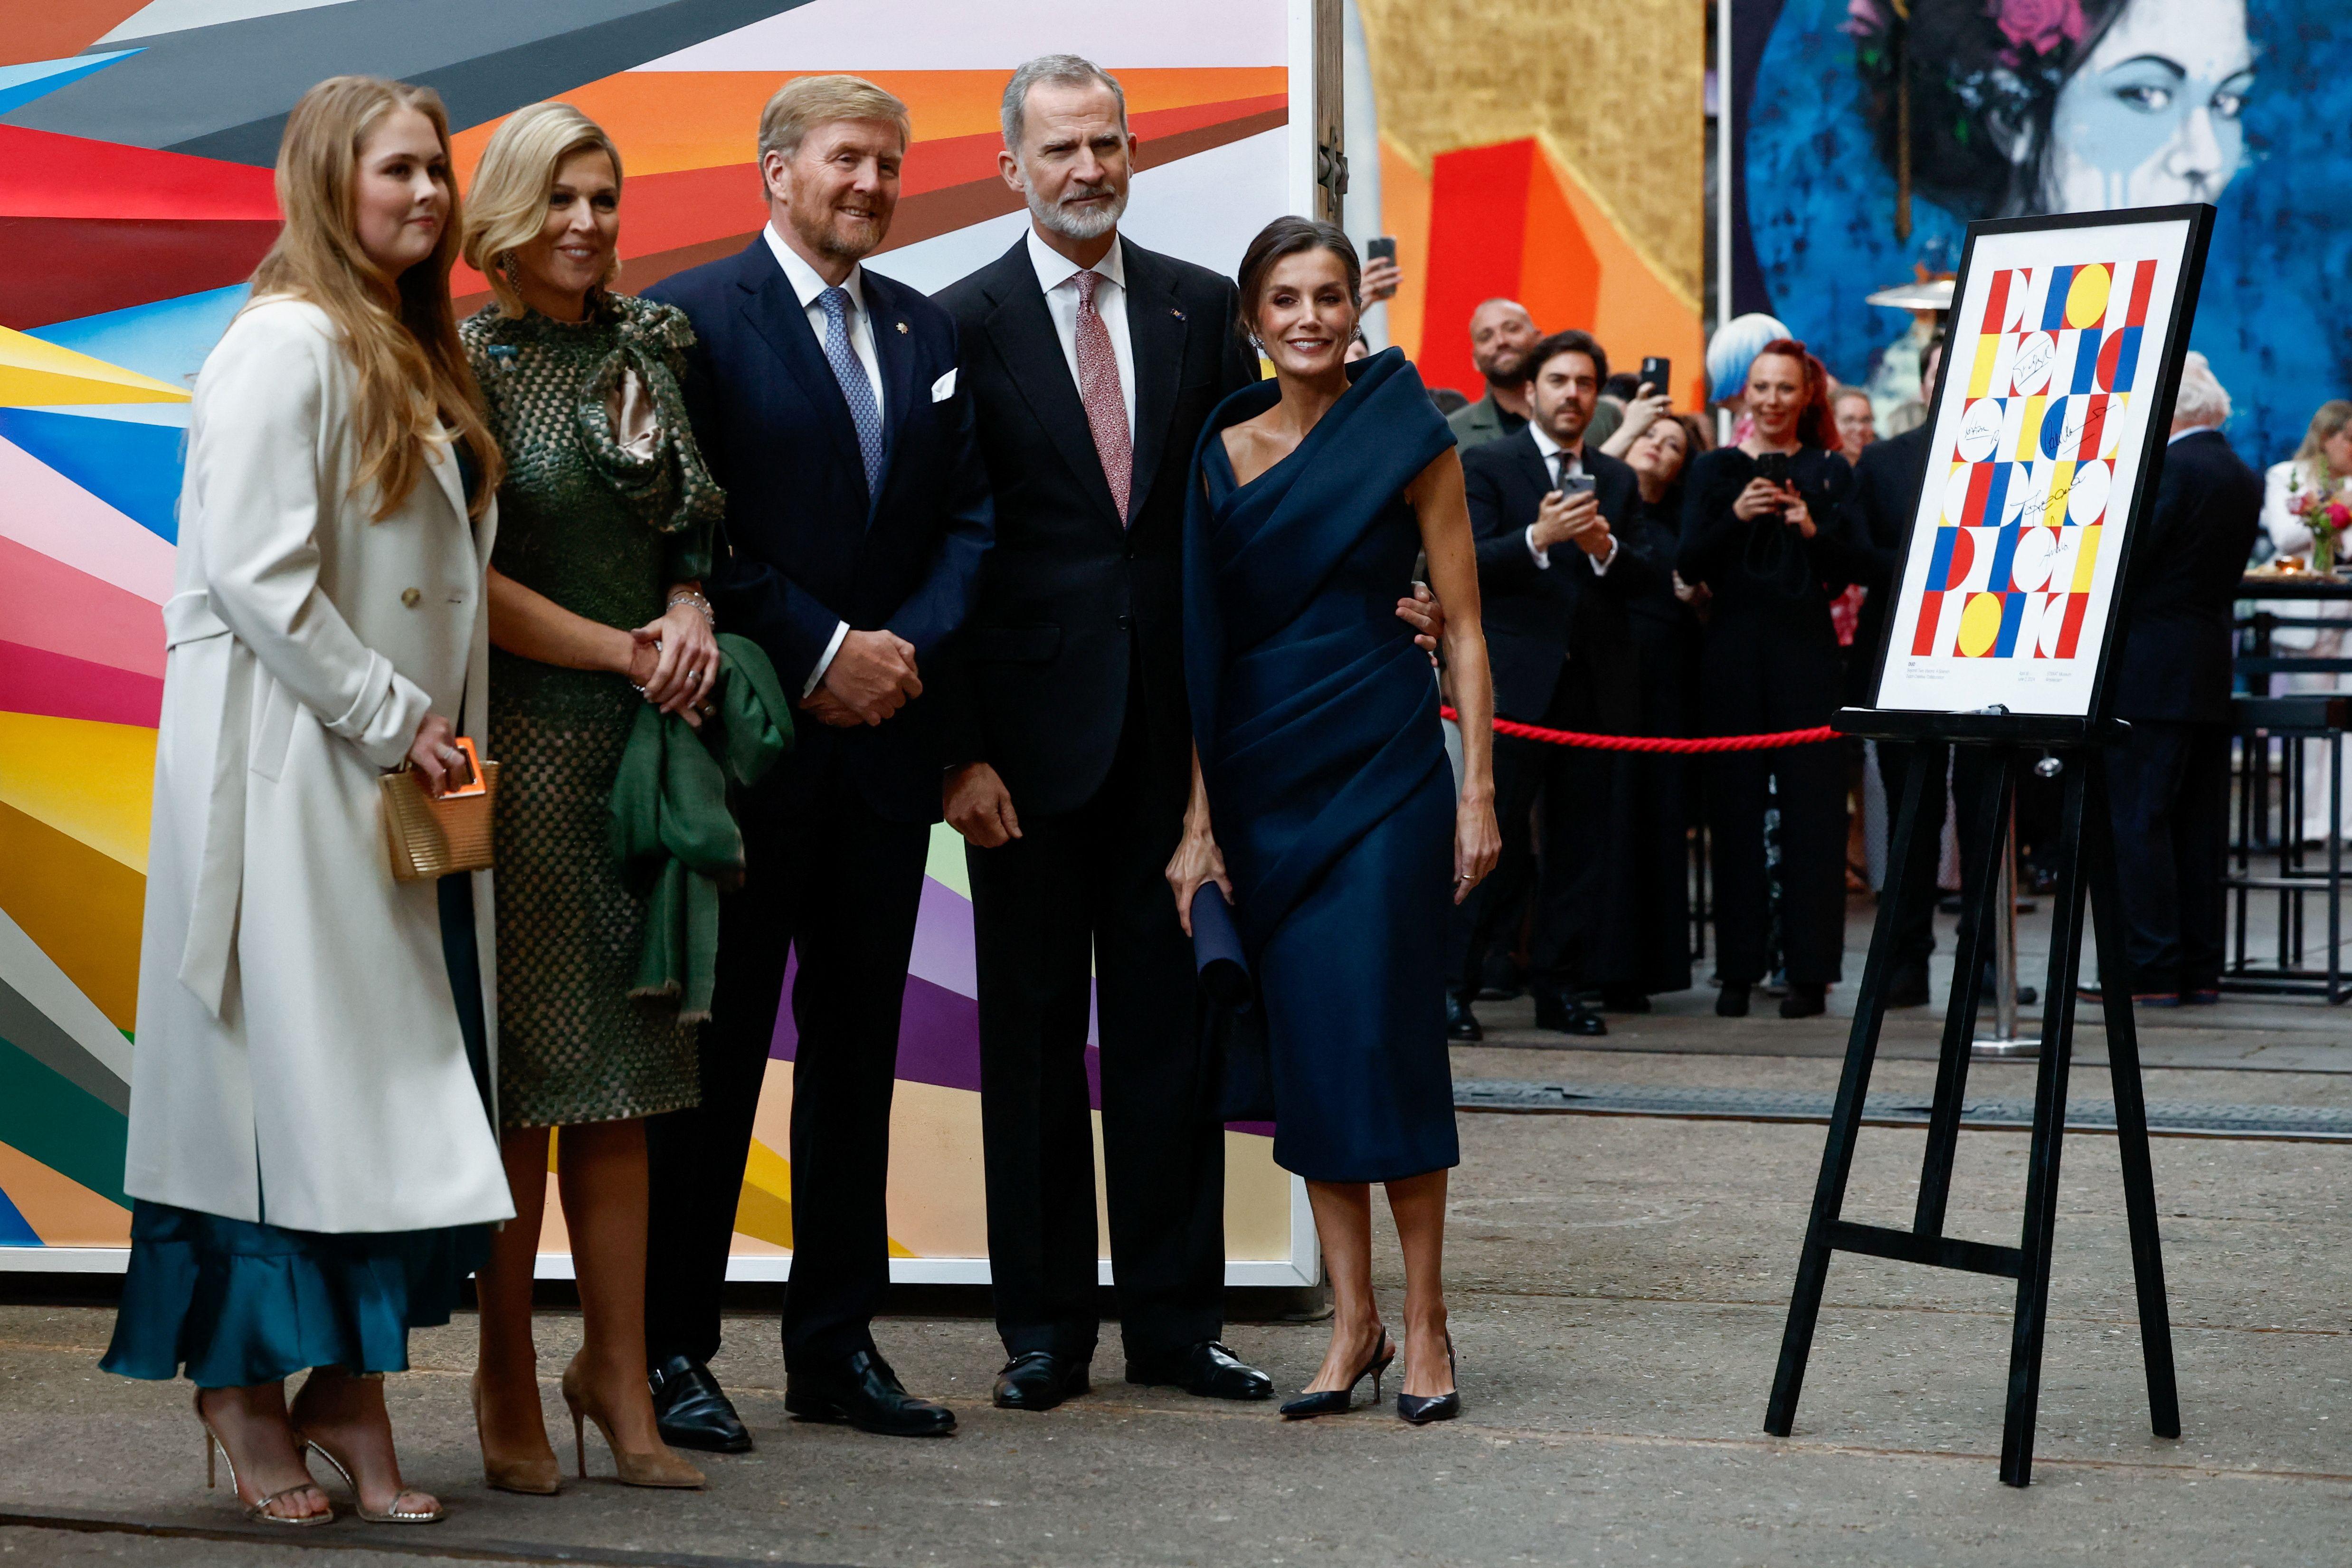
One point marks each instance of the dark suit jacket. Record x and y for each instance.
(805, 547)
(1538, 618)
(1073, 607)
(2174, 660)
(1878, 514)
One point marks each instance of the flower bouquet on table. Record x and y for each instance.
(2322, 507)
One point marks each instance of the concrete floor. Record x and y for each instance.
(1618, 1288)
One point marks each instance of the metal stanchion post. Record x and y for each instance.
(2004, 1042)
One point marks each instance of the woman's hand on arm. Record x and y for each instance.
(688, 662)
(1444, 516)
(528, 625)
(1197, 859)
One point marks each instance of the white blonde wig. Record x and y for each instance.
(2203, 400)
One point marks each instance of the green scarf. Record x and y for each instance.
(673, 840)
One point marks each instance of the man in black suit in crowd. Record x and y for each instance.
(1092, 364)
(1881, 510)
(2170, 781)
(1553, 582)
(825, 398)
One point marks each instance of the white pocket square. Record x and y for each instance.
(943, 388)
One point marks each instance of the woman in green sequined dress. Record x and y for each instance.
(595, 607)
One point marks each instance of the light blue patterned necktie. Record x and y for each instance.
(863, 412)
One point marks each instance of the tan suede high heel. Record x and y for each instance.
(658, 1465)
(216, 1453)
(537, 1476)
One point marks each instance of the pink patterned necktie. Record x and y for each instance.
(1098, 390)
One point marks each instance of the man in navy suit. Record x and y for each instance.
(2169, 781)
(825, 399)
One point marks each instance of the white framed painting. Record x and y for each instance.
(2047, 426)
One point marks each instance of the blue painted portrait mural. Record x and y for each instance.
(2032, 106)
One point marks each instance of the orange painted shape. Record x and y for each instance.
(55, 28)
(694, 120)
(1404, 214)
(1478, 228)
(1635, 313)
(61, 1211)
(81, 907)
(1560, 273)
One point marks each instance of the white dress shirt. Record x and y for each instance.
(1560, 462)
(807, 285)
(1057, 276)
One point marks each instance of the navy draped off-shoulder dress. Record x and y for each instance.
(1329, 786)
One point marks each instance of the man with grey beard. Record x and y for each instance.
(1092, 364)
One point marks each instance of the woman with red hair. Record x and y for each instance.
(1760, 530)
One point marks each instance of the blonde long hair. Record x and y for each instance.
(2333, 415)
(507, 208)
(400, 333)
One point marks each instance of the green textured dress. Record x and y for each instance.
(601, 521)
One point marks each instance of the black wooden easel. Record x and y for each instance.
(2087, 868)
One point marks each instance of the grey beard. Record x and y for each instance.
(1082, 225)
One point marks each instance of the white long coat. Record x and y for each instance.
(299, 1058)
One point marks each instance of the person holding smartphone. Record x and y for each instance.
(1761, 531)
(1548, 509)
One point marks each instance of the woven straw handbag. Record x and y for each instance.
(433, 836)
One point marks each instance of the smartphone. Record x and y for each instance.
(1381, 248)
(1576, 484)
(1772, 465)
(1659, 373)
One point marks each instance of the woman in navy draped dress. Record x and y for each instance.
(1323, 804)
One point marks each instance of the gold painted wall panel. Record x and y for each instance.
(1617, 87)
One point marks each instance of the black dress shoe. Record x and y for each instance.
(1731, 1001)
(863, 1391)
(1562, 1015)
(1623, 999)
(1804, 1000)
(1207, 1369)
(1907, 986)
(1039, 1380)
(693, 1412)
(1461, 1024)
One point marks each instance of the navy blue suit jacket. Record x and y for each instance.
(804, 547)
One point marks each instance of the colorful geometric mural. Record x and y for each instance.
(135, 196)
(1514, 219)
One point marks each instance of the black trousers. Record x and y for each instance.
(1580, 932)
(1915, 924)
(1080, 903)
(828, 877)
(1810, 781)
(2169, 786)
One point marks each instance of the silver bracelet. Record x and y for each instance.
(698, 601)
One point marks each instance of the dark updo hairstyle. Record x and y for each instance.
(1287, 237)
(1980, 74)
(1816, 421)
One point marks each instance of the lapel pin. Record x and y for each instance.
(1178, 314)
(902, 326)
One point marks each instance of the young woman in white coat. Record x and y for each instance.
(311, 1153)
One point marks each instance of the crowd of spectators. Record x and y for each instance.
(1639, 579)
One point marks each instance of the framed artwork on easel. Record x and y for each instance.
(2065, 343)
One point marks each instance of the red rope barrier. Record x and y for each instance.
(1657, 742)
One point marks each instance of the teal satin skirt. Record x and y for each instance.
(238, 1302)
